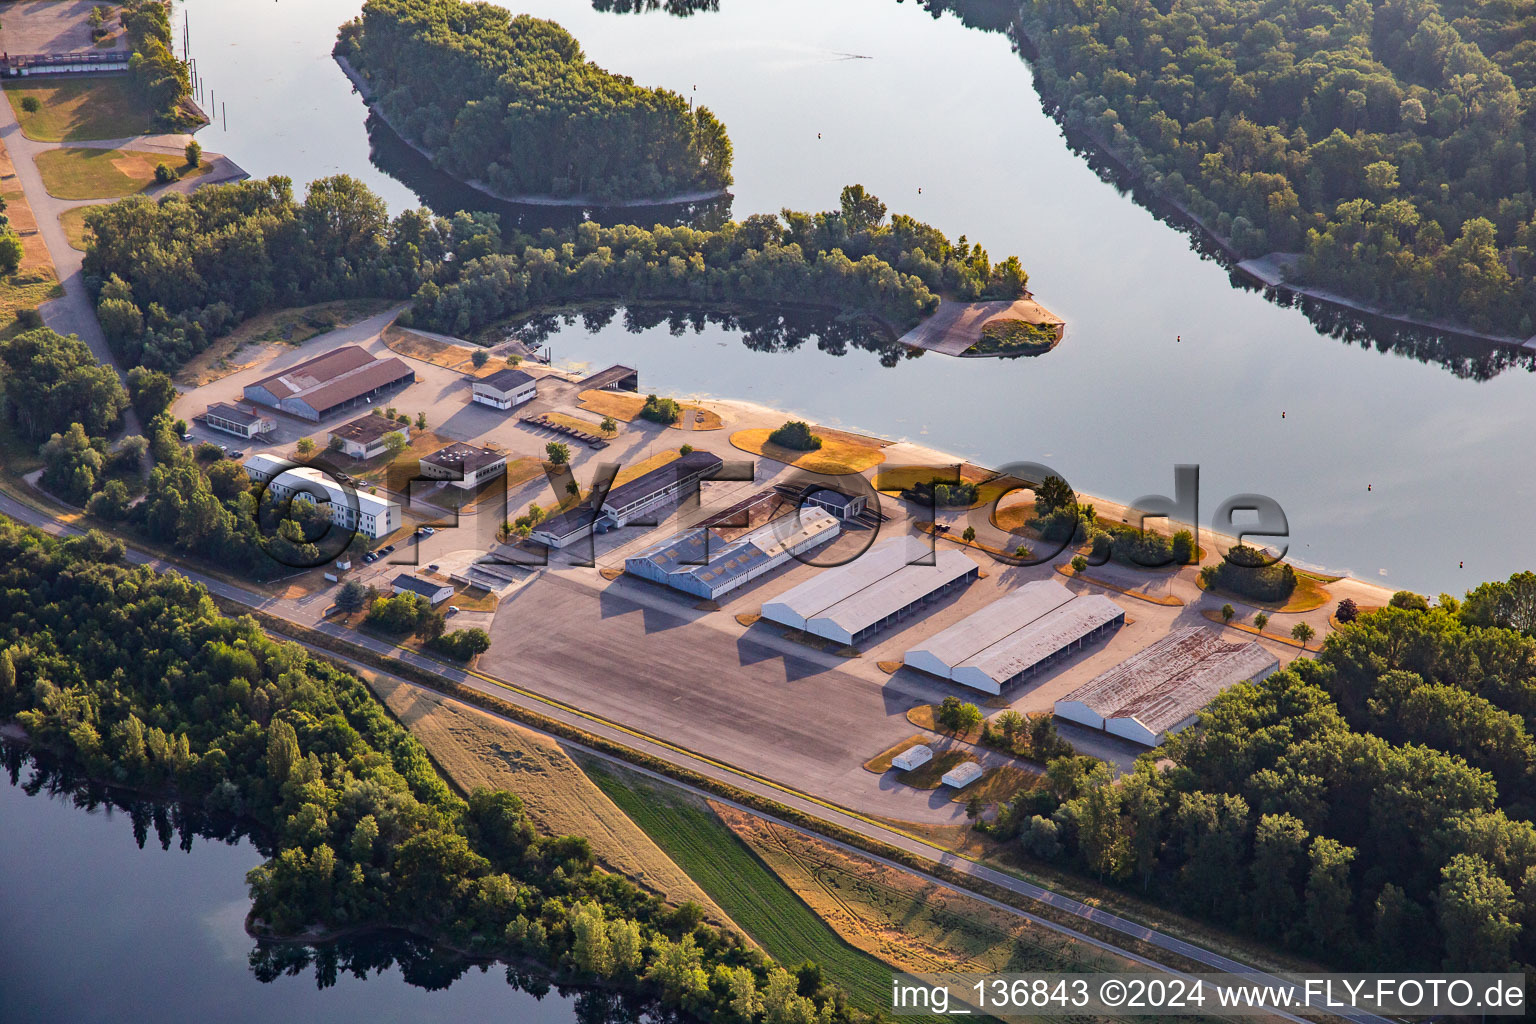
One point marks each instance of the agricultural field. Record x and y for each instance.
(910, 923)
(743, 886)
(475, 749)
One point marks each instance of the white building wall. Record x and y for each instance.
(1077, 711)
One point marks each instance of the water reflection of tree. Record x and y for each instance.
(680, 8)
(760, 330)
(422, 964)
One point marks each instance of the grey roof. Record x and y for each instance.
(1165, 683)
(329, 380)
(661, 478)
(1058, 628)
(505, 380)
(417, 585)
(896, 590)
(464, 458)
(685, 554)
(312, 373)
(367, 429)
(572, 522)
(998, 620)
(830, 586)
(233, 413)
(829, 496)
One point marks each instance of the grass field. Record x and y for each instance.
(743, 886)
(1309, 594)
(75, 172)
(625, 407)
(475, 749)
(73, 223)
(82, 109)
(460, 358)
(908, 922)
(839, 454)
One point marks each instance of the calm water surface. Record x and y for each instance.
(902, 101)
(96, 929)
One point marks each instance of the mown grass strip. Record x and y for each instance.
(754, 897)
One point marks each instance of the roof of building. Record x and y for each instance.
(685, 554)
(841, 582)
(894, 592)
(1162, 685)
(266, 465)
(607, 378)
(918, 753)
(830, 496)
(336, 377)
(368, 429)
(318, 483)
(659, 479)
(997, 621)
(505, 380)
(574, 521)
(1056, 629)
(963, 774)
(233, 413)
(417, 585)
(464, 458)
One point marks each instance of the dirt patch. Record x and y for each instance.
(460, 358)
(840, 453)
(625, 407)
(475, 750)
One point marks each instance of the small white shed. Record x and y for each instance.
(912, 757)
(963, 774)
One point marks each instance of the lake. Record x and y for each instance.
(1380, 460)
(96, 929)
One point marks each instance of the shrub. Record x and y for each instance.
(31, 104)
(795, 435)
(1347, 610)
(1409, 600)
(1079, 563)
(400, 614)
(29, 319)
(1014, 337)
(661, 410)
(462, 644)
(11, 253)
(165, 174)
(480, 358)
(686, 449)
(1183, 547)
(1244, 572)
(193, 153)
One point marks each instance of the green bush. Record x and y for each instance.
(462, 644)
(1243, 572)
(165, 174)
(193, 153)
(795, 435)
(31, 104)
(661, 410)
(1014, 337)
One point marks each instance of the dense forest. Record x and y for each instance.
(512, 101)
(139, 681)
(1371, 808)
(174, 274)
(1384, 141)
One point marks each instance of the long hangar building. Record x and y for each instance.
(334, 382)
(699, 562)
(1016, 636)
(1159, 690)
(852, 602)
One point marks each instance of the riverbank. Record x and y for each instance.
(1266, 271)
(365, 91)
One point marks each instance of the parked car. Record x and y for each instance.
(432, 568)
(237, 455)
(426, 531)
(386, 550)
(370, 558)
(187, 436)
(453, 610)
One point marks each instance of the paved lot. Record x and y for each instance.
(51, 26)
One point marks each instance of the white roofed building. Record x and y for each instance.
(700, 562)
(1159, 690)
(1016, 636)
(370, 515)
(891, 581)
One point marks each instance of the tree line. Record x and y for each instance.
(1386, 143)
(163, 81)
(138, 680)
(172, 275)
(1372, 808)
(512, 101)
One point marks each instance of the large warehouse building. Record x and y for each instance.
(852, 602)
(1016, 636)
(700, 562)
(341, 379)
(1158, 691)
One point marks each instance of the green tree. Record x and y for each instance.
(11, 251)
(795, 435)
(1260, 621)
(351, 596)
(480, 358)
(193, 153)
(608, 425)
(305, 447)
(31, 104)
(558, 453)
(1303, 632)
(968, 534)
(1330, 895)
(1227, 611)
(396, 442)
